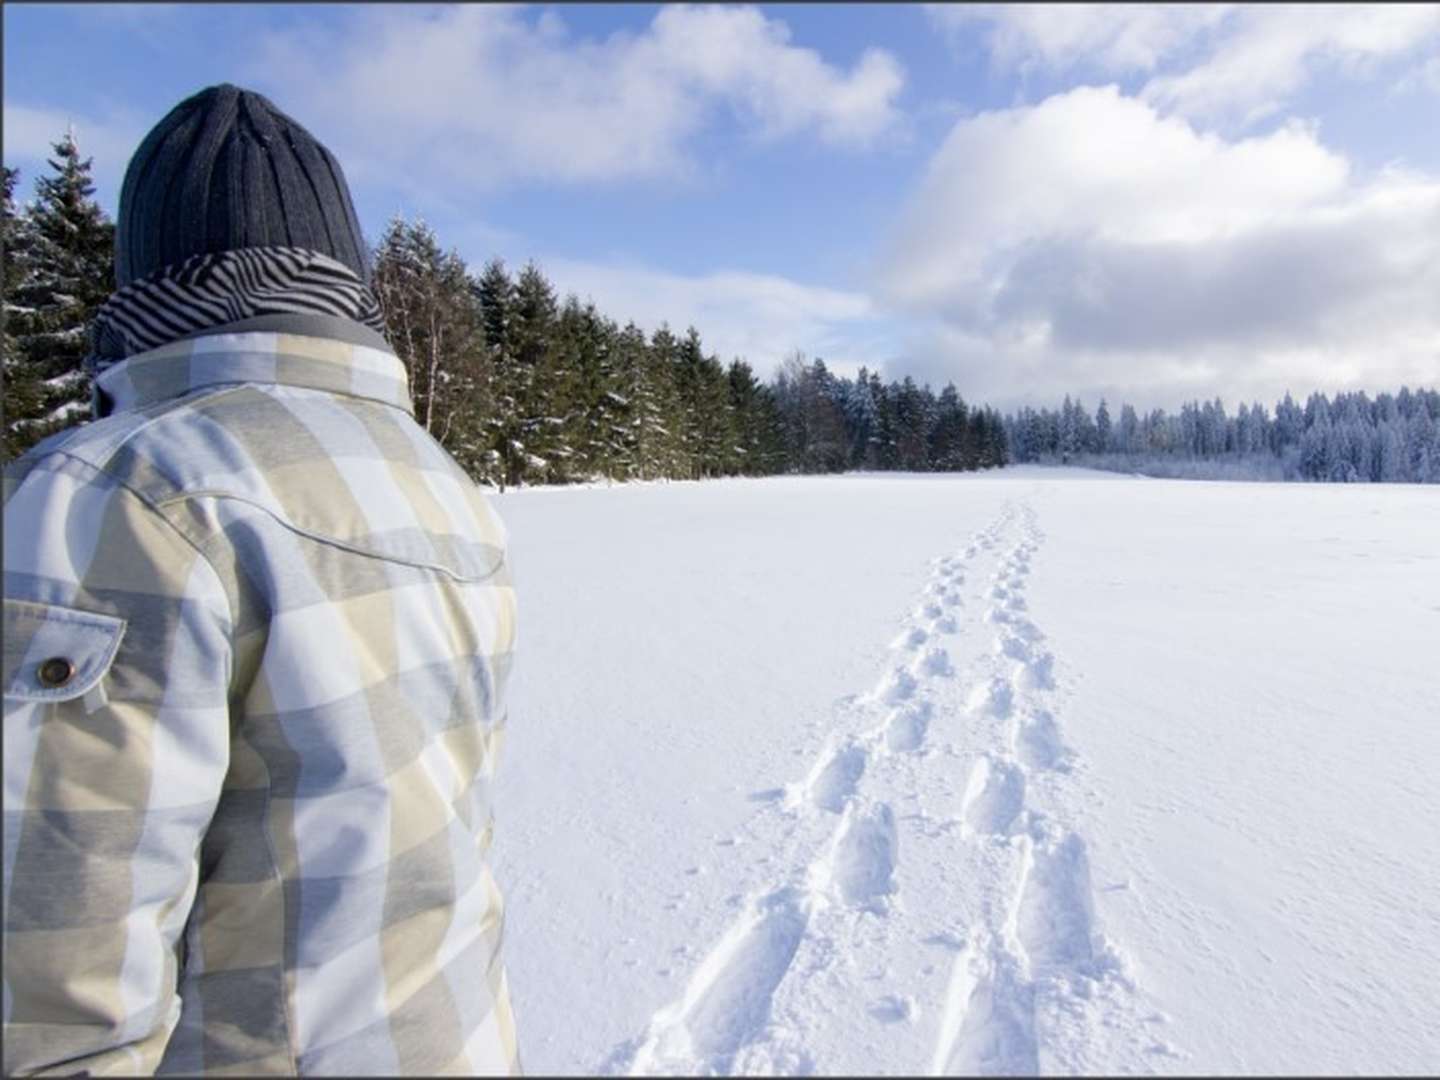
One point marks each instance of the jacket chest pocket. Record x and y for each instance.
(53, 653)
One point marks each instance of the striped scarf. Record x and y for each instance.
(208, 291)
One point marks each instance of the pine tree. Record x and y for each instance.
(636, 453)
(596, 414)
(911, 430)
(1069, 429)
(1104, 430)
(747, 409)
(688, 361)
(64, 273)
(948, 440)
(861, 419)
(883, 442)
(530, 453)
(664, 431)
(826, 420)
(24, 393)
(494, 291)
(714, 420)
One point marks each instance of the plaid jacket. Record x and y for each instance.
(258, 627)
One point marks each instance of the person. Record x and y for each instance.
(258, 628)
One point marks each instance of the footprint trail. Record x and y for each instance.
(924, 915)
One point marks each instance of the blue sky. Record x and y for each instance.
(1144, 203)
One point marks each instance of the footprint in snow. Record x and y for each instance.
(934, 662)
(911, 638)
(1056, 919)
(834, 781)
(897, 686)
(993, 697)
(988, 1026)
(863, 862)
(726, 1005)
(1037, 672)
(994, 796)
(906, 727)
(1038, 743)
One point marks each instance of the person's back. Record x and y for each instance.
(258, 626)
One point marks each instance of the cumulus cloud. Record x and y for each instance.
(488, 95)
(759, 317)
(1089, 242)
(1207, 61)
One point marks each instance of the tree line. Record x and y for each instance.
(520, 385)
(1350, 438)
(524, 387)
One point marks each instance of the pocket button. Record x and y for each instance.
(56, 672)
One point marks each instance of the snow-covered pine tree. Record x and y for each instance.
(528, 456)
(883, 453)
(65, 271)
(1104, 429)
(595, 416)
(772, 432)
(911, 427)
(824, 403)
(1069, 429)
(744, 393)
(947, 440)
(24, 393)
(495, 291)
(664, 433)
(716, 429)
(634, 450)
(861, 417)
(689, 358)
(1422, 443)
(789, 387)
(1129, 432)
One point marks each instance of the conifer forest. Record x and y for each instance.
(524, 386)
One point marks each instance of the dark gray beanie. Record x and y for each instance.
(226, 169)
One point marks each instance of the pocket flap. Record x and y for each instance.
(56, 653)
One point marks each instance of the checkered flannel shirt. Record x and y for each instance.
(258, 628)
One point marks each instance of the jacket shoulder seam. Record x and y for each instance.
(332, 541)
(157, 511)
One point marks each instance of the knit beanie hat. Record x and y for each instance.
(226, 169)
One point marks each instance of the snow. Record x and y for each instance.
(68, 410)
(1038, 770)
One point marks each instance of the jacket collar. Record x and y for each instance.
(314, 363)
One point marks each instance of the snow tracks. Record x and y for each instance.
(926, 914)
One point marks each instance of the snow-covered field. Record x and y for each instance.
(1034, 771)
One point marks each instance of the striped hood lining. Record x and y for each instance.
(208, 291)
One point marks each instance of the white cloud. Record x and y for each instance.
(1090, 244)
(1112, 38)
(1212, 61)
(758, 317)
(32, 130)
(1423, 77)
(484, 95)
(1272, 52)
